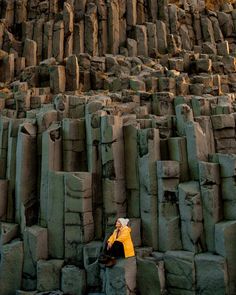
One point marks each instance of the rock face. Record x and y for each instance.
(117, 109)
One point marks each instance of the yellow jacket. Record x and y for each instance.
(125, 239)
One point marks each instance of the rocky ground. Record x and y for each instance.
(118, 108)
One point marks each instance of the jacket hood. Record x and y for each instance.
(123, 221)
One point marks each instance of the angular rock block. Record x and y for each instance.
(78, 34)
(225, 244)
(121, 278)
(132, 46)
(11, 165)
(209, 173)
(131, 10)
(35, 248)
(184, 114)
(49, 274)
(191, 215)
(78, 192)
(77, 106)
(112, 147)
(211, 274)
(133, 203)
(48, 39)
(201, 105)
(58, 41)
(197, 147)
(30, 52)
(68, 18)
(161, 37)
(91, 252)
(223, 121)
(212, 212)
(79, 226)
(149, 276)
(11, 267)
(135, 225)
(206, 126)
(151, 38)
(4, 124)
(9, 231)
(26, 176)
(149, 219)
(180, 272)
(228, 188)
(177, 147)
(51, 161)
(227, 163)
(74, 145)
(3, 199)
(149, 153)
(61, 105)
(131, 156)
(228, 195)
(169, 223)
(167, 169)
(113, 27)
(167, 190)
(56, 214)
(72, 73)
(114, 197)
(7, 68)
(73, 280)
(57, 79)
(91, 30)
(141, 38)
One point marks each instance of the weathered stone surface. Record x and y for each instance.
(211, 274)
(51, 160)
(169, 220)
(9, 231)
(209, 173)
(79, 228)
(91, 30)
(118, 109)
(148, 277)
(35, 248)
(121, 278)
(224, 247)
(191, 216)
(3, 199)
(49, 274)
(91, 252)
(57, 79)
(197, 148)
(212, 212)
(141, 38)
(161, 37)
(113, 27)
(55, 214)
(11, 267)
(26, 167)
(30, 50)
(180, 271)
(58, 41)
(72, 73)
(73, 280)
(227, 164)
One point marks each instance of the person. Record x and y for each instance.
(119, 244)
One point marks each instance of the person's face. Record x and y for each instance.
(118, 224)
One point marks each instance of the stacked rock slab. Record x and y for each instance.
(117, 109)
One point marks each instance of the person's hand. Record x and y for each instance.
(108, 245)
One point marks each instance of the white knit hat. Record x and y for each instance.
(123, 221)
